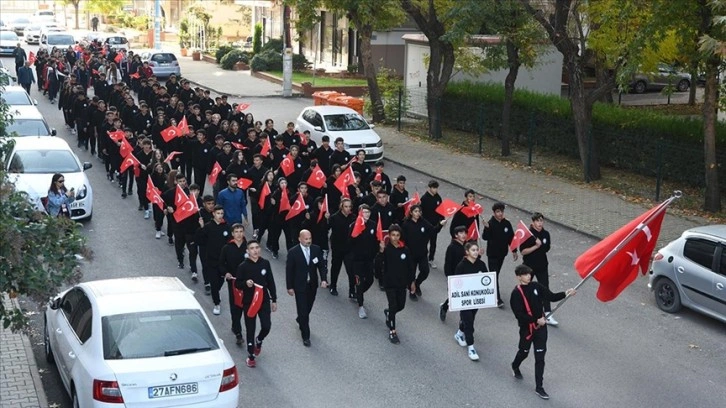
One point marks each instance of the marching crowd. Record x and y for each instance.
(330, 207)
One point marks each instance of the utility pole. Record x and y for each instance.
(157, 24)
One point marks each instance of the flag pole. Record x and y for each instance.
(662, 207)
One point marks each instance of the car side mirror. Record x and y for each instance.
(35, 101)
(53, 132)
(87, 165)
(372, 126)
(55, 303)
(318, 129)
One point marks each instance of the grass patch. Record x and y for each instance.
(300, 77)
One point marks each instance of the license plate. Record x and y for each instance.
(172, 390)
(164, 64)
(75, 204)
(369, 151)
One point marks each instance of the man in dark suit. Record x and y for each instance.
(302, 281)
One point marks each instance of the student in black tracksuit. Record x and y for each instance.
(398, 276)
(214, 235)
(430, 201)
(339, 224)
(527, 303)
(534, 254)
(232, 255)
(181, 229)
(416, 234)
(363, 249)
(460, 218)
(256, 270)
(470, 264)
(455, 252)
(206, 214)
(498, 233)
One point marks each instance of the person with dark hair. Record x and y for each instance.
(469, 265)
(340, 156)
(214, 235)
(498, 233)
(416, 233)
(202, 159)
(59, 198)
(399, 196)
(158, 177)
(270, 128)
(145, 155)
(527, 303)
(363, 250)
(398, 276)
(277, 218)
(290, 136)
(460, 218)
(233, 200)
(382, 177)
(307, 148)
(534, 254)
(360, 166)
(455, 252)
(206, 215)
(339, 224)
(323, 154)
(232, 255)
(430, 201)
(256, 270)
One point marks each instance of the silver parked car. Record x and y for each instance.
(691, 272)
(658, 80)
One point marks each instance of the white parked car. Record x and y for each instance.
(32, 163)
(32, 33)
(8, 41)
(27, 121)
(57, 39)
(15, 95)
(339, 121)
(141, 342)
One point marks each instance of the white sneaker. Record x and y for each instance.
(362, 313)
(158, 234)
(217, 310)
(552, 322)
(147, 214)
(473, 356)
(432, 265)
(459, 337)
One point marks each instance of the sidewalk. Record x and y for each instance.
(20, 384)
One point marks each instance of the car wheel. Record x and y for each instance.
(640, 87)
(667, 296)
(46, 337)
(683, 85)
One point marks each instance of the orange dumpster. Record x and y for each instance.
(351, 102)
(322, 97)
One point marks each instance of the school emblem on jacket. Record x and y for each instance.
(263, 272)
(423, 229)
(403, 256)
(390, 213)
(544, 241)
(372, 231)
(535, 292)
(506, 229)
(225, 233)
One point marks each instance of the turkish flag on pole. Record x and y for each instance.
(135, 75)
(118, 58)
(617, 259)
(317, 178)
(239, 146)
(153, 194)
(407, 205)
(241, 107)
(216, 169)
(237, 294)
(31, 58)
(183, 126)
(360, 225)
(473, 233)
(129, 161)
(116, 135)
(287, 166)
(284, 201)
(379, 230)
(256, 301)
(180, 197)
(170, 133)
(171, 155)
(347, 178)
(298, 207)
(324, 208)
(265, 147)
(188, 208)
(125, 149)
(472, 210)
(244, 183)
(448, 207)
(263, 195)
(521, 234)
(378, 176)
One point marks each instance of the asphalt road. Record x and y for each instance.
(625, 353)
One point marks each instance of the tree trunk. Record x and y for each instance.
(712, 199)
(76, 6)
(379, 114)
(694, 83)
(441, 64)
(582, 115)
(286, 32)
(602, 76)
(514, 64)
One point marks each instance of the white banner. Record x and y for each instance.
(475, 291)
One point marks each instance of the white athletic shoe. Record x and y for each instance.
(552, 322)
(362, 312)
(473, 356)
(459, 337)
(158, 234)
(147, 214)
(217, 310)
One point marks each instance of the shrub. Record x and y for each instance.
(299, 62)
(233, 57)
(267, 61)
(388, 85)
(257, 39)
(222, 51)
(274, 44)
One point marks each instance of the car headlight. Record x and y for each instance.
(380, 143)
(81, 194)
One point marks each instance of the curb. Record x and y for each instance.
(294, 95)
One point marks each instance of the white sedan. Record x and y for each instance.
(339, 121)
(32, 163)
(141, 342)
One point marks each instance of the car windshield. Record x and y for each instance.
(163, 58)
(21, 20)
(43, 162)
(345, 121)
(8, 36)
(33, 28)
(156, 334)
(27, 127)
(117, 40)
(15, 98)
(60, 40)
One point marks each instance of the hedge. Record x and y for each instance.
(233, 57)
(633, 139)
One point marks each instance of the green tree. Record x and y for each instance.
(75, 4)
(37, 252)
(104, 7)
(257, 39)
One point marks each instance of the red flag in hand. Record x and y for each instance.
(239, 146)
(116, 135)
(473, 233)
(346, 178)
(129, 161)
(125, 149)
(284, 201)
(623, 267)
(256, 301)
(180, 197)
(171, 156)
(359, 226)
(183, 126)
(287, 166)
(153, 194)
(379, 230)
(448, 207)
(216, 169)
(170, 133)
(472, 210)
(265, 147)
(135, 75)
(187, 209)
(264, 192)
(323, 208)
(237, 294)
(31, 58)
(241, 107)
(298, 207)
(521, 234)
(317, 178)
(407, 205)
(244, 183)
(118, 58)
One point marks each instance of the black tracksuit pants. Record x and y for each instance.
(250, 327)
(539, 338)
(396, 303)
